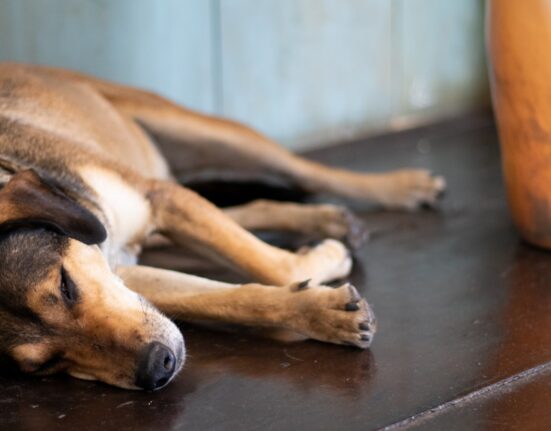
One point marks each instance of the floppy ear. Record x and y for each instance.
(26, 200)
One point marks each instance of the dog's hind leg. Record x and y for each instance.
(334, 315)
(190, 221)
(201, 143)
(318, 221)
(203, 146)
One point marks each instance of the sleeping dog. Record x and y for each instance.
(84, 188)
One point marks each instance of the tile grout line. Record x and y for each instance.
(501, 385)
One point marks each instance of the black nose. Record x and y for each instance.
(155, 367)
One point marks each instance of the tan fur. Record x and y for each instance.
(101, 132)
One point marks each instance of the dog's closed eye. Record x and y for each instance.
(68, 289)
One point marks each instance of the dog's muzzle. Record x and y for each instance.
(156, 367)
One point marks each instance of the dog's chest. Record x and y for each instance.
(128, 214)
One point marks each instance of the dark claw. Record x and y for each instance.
(354, 293)
(352, 306)
(365, 337)
(303, 284)
(364, 326)
(427, 206)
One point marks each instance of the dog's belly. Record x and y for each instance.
(128, 214)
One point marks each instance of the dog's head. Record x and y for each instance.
(62, 308)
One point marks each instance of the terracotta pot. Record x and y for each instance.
(519, 48)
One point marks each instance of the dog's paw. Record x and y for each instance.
(327, 261)
(334, 315)
(410, 189)
(339, 223)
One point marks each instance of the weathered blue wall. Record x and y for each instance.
(302, 71)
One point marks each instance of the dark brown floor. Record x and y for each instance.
(464, 314)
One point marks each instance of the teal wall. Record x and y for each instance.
(302, 71)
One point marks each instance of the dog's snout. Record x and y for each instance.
(156, 366)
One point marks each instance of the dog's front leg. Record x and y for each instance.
(191, 221)
(334, 315)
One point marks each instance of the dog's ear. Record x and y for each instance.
(27, 200)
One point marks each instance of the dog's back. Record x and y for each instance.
(67, 120)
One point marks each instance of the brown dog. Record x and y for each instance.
(84, 186)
